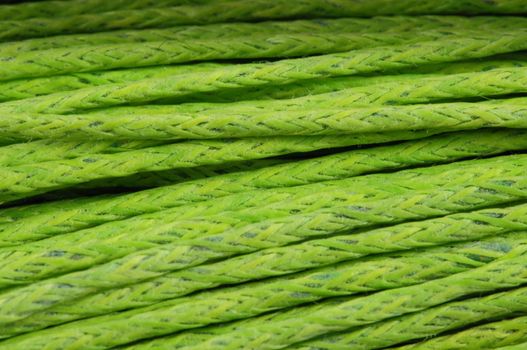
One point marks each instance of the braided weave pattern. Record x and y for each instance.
(280, 72)
(29, 179)
(486, 336)
(513, 347)
(388, 90)
(211, 124)
(262, 175)
(70, 8)
(84, 248)
(99, 57)
(32, 223)
(325, 85)
(423, 324)
(47, 150)
(283, 260)
(343, 25)
(256, 298)
(26, 88)
(147, 180)
(150, 263)
(506, 272)
(426, 322)
(233, 11)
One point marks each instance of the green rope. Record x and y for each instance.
(84, 248)
(393, 24)
(25, 180)
(27, 88)
(490, 335)
(354, 62)
(521, 346)
(506, 272)
(55, 8)
(405, 269)
(450, 194)
(209, 124)
(48, 150)
(151, 179)
(122, 55)
(423, 324)
(320, 86)
(386, 90)
(232, 11)
(21, 225)
(283, 260)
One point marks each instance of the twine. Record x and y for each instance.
(343, 25)
(505, 272)
(233, 11)
(490, 335)
(21, 225)
(192, 246)
(354, 62)
(283, 260)
(107, 331)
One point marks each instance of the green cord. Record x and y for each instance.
(370, 91)
(257, 46)
(354, 62)
(395, 24)
(424, 324)
(211, 124)
(27, 88)
(283, 260)
(487, 336)
(405, 269)
(63, 8)
(20, 181)
(463, 189)
(24, 224)
(236, 11)
(505, 272)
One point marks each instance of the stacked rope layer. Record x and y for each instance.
(197, 174)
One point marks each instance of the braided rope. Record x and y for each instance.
(487, 336)
(385, 90)
(467, 66)
(47, 150)
(193, 248)
(521, 346)
(259, 297)
(423, 324)
(283, 260)
(232, 11)
(122, 55)
(21, 225)
(320, 86)
(280, 72)
(506, 272)
(343, 25)
(418, 89)
(266, 178)
(54, 9)
(215, 124)
(25, 180)
(81, 249)
(26, 88)
(151, 179)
